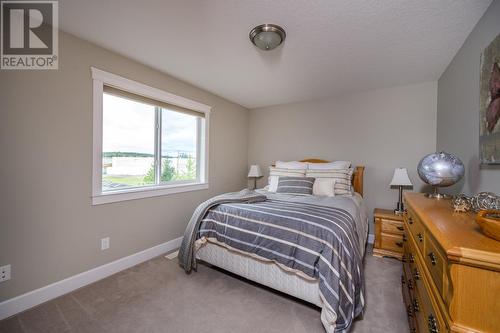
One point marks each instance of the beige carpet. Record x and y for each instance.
(157, 296)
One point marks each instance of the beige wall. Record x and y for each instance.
(381, 129)
(458, 107)
(48, 228)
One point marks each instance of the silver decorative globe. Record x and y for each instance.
(440, 170)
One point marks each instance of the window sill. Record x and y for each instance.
(147, 192)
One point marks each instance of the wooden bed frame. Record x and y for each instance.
(357, 177)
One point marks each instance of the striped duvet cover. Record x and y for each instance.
(320, 241)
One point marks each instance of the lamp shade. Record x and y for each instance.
(255, 171)
(400, 178)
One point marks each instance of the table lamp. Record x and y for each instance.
(400, 179)
(255, 172)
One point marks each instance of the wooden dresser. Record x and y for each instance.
(451, 271)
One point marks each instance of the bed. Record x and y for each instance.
(287, 278)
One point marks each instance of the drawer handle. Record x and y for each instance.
(433, 258)
(410, 220)
(416, 274)
(412, 258)
(416, 306)
(432, 324)
(420, 237)
(400, 244)
(409, 311)
(401, 228)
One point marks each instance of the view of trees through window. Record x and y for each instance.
(171, 173)
(129, 145)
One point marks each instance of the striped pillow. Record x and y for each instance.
(295, 185)
(275, 173)
(291, 165)
(343, 179)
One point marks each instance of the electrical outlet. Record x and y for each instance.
(105, 243)
(4, 273)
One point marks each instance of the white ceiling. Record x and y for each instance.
(333, 47)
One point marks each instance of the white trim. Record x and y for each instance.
(97, 137)
(26, 301)
(147, 91)
(371, 238)
(145, 192)
(101, 78)
(204, 153)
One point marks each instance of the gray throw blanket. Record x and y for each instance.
(186, 252)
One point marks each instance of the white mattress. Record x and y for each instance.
(263, 272)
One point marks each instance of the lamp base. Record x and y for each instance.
(400, 209)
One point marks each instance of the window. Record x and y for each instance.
(146, 142)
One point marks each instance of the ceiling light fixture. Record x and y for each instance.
(267, 36)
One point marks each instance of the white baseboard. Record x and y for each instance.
(23, 302)
(371, 238)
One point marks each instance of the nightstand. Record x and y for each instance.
(388, 234)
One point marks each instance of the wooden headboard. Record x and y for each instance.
(357, 178)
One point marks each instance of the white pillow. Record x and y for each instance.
(324, 186)
(291, 165)
(331, 165)
(273, 183)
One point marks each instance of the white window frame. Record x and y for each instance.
(101, 78)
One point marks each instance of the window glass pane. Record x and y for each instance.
(179, 139)
(128, 143)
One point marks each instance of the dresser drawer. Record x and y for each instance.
(429, 318)
(391, 242)
(416, 229)
(407, 298)
(391, 226)
(426, 315)
(424, 245)
(434, 322)
(434, 261)
(408, 280)
(410, 251)
(418, 312)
